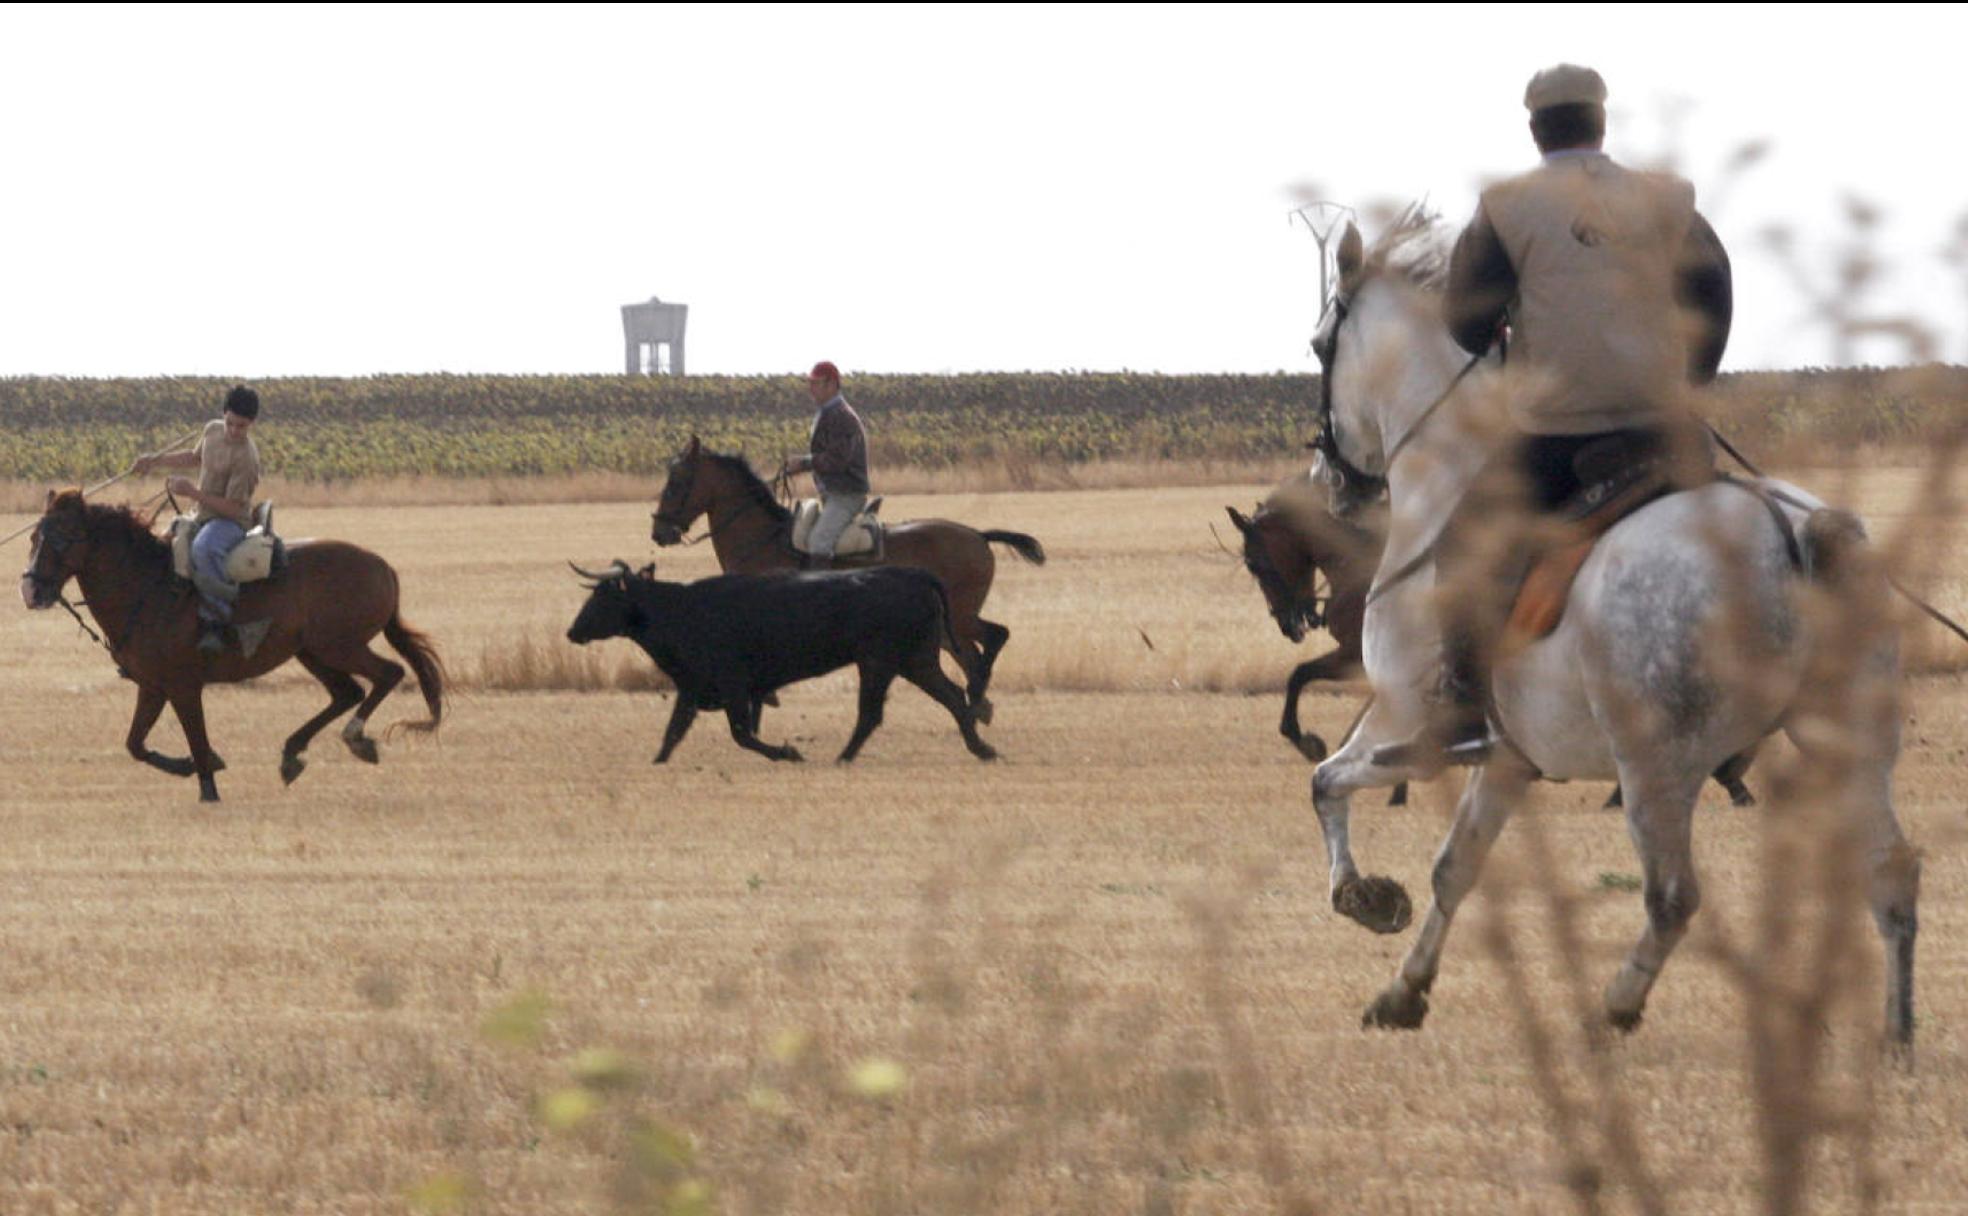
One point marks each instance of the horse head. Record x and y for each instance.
(1277, 558)
(60, 547)
(1385, 355)
(680, 503)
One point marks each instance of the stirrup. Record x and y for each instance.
(1425, 755)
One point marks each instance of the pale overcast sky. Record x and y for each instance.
(271, 191)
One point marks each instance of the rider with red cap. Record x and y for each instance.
(837, 456)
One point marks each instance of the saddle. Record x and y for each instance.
(1608, 497)
(261, 555)
(864, 536)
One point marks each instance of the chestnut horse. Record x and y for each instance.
(1292, 544)
(322, 609)
(752, 534)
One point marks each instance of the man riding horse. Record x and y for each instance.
(837, 456)
(228, 464)
(1614, 293)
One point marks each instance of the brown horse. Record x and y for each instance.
(1292, 544)
(752, 534)
(323, 609)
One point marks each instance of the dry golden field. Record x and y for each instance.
(518, 969)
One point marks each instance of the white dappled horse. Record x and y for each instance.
(1686, 639)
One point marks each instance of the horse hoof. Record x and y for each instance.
(1379, 903)
(981, 710)
(365, 749)
(1626, 1021)
(208, 789)
(984, 751)
(1398, 1008)
(290, 768)
(789, 752)
(1400, 795)
(1311, 746)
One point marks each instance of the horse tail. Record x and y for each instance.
(1835, 547)
(1025, 546)
(417, 651)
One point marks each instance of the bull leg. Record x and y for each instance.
(190, 708)
(875, 679)
(343, 694)
(737, 702)
(682, 713)
(150, 703)
(927, 674)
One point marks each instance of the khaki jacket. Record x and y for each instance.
(1597, 252)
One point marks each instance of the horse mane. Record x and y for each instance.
(1413, 248)
(149, 552)
(754, 484)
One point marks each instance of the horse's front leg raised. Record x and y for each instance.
(1487, 801)
(1379, 903)
(150, 703)
(1329, 666)
(190, 708)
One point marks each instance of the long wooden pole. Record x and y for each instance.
(104, 484)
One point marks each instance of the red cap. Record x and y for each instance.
(824, 370)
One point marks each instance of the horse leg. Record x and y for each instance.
(1328, 666)
(1865, 796)
(1379, 903)
(343, 694)
(189, 705)
(383, 676)
(682, 713)
(1486, 803)
(927, 674)
(994, 638)
(875, 679)
(150, 703)
(1660, 817)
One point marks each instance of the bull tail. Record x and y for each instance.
(418, 652)
(1025, 546)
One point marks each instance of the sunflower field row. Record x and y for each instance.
(57, 429)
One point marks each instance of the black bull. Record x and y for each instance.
(728, 642)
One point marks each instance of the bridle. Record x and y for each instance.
(1353, 487)
(1309, 611)
(682, 491)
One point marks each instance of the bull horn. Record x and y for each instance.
(619, 570)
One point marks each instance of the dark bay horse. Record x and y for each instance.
(752, 534)
(324, 609)
(1293, 544)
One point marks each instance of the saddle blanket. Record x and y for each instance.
(862, 538)
(1547, 587)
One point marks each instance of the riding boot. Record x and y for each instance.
(211, 637)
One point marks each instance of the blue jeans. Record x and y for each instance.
(836, 512)
(215, 541)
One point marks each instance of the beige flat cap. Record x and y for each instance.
(1565, 85)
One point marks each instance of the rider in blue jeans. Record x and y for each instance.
(228, 464)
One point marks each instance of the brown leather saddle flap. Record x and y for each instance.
(1547, 588)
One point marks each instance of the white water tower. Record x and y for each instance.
(654, 336)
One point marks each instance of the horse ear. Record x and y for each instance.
(692, 449)
(50, 504)
(1352, 255)
(1243, 525)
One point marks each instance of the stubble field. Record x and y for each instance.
(519, 969)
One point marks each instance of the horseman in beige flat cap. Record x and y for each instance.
(1615, 294)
